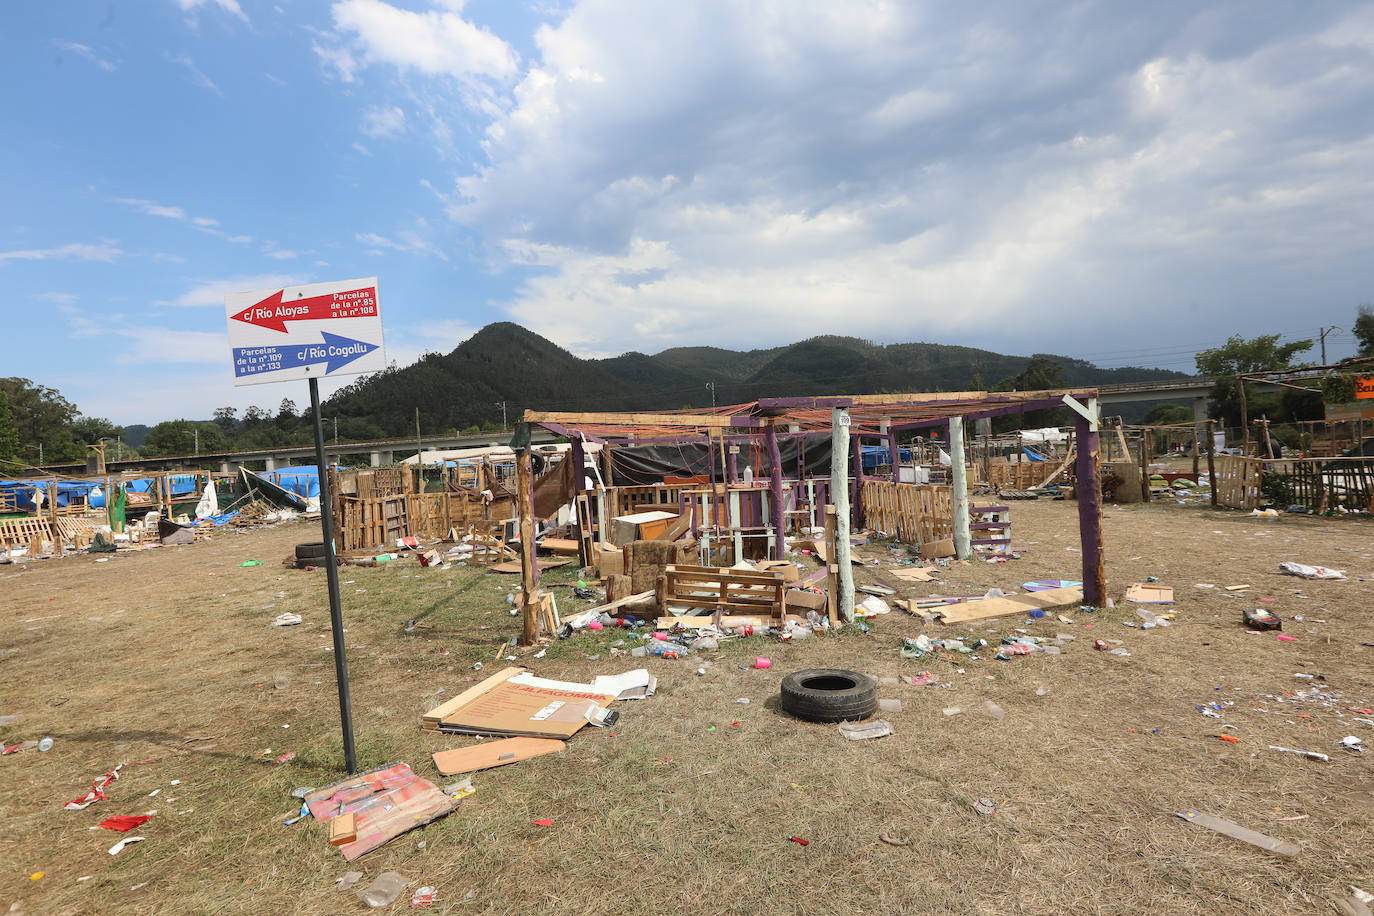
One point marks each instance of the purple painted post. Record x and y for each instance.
(1088, 486)
(578, 456)
(895, 457)
(857, 482)
(732, 464)
(776, 506)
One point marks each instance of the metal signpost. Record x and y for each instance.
(312, 331)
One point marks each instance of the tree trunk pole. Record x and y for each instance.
(1211, 466)
(1087, 471)
(958, 480)
(839, 494)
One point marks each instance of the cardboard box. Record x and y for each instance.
(642, 526)
(935, 549)
(611, 562)
(803, 600)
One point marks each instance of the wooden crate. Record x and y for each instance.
(698, 590)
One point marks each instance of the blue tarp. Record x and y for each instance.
(1032, 455)
(22, 491)
(874, 455)
(303, 480)
(181, 484)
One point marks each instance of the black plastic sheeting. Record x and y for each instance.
(648, 464)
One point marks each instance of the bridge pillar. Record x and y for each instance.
(1200, 421)
(272, 462)
(381, 459)
(228, 467)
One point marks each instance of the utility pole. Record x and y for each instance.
(503, 414)
(1323, 332)
(119, 448)
(196, 431)
(712, 386)
(336, 431)
(419, 449)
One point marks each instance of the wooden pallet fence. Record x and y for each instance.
(912, 514)
(697, 590)
(1238, 481)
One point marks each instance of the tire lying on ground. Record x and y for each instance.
(829, 695)
(311, 551)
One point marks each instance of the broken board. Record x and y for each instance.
(514, 703)
(490, 754)
(1012, 604)
(513, 566)
(913, 574)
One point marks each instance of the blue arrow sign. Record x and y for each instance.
(334, 351)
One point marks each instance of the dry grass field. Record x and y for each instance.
(164, 660)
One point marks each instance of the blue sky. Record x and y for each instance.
(1125, 184)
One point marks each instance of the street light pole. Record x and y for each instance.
(1323, 332)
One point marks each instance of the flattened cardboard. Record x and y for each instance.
(522, 705)
(913, 574)
(1143, 593)
(490, 754)
(1012, 604)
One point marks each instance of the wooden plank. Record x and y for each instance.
(1012, 604)
(620, 602)
(700, 421)
(497, 753)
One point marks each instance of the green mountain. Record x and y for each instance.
(504, 362)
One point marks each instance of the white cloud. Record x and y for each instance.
(87, 52)
(76, 251)
(204, 222)
(406, 240)
(229, 6)
(151, 208)
(344, 64)
(197, 77)
(384, 121)
(358, 147)
(56, 298)
(433, 43)
(213, 292)
(901, 172)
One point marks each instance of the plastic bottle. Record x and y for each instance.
(748, 475)
(46, 744)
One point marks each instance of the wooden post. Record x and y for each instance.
(1211, 466)
(832, 585)
(529, 568)
(606, 472)
(577, 454)
(857, 487)
(839, 493)
(958, 480)
(894, 456)
(732, 464)
(1244, 420)
(777, 505)
(1087, 469)
(1145, 464)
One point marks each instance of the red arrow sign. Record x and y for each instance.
(273, 313)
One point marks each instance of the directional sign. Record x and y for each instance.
(316, 330)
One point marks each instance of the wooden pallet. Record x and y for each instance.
(21, 532)
(705, 590)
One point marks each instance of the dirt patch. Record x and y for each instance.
(165, 660)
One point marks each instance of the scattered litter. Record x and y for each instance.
(761, 662)
(952, 710)
(1236, 831)
(1284, 637)
(286, 620)
(1353, 743)
(1262, 619)
(1289, 750)
(1310, 572)
(862, 731)
(985, 806)
(423, 897)
(117, 848)
(123, 823)
(384, 890)
(45, 745)
(799, 841)
(872, 606)
(347, 880)
(743, 701)
(286, 758)
(97, 792)
(543, 822)
(993, 710)
(251, 563)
